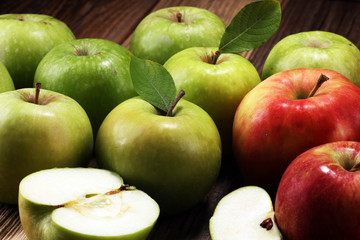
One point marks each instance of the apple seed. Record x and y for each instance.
(267, 223)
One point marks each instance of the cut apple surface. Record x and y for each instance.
(246, 213)
(84, 203)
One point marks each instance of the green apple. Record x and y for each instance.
(175, 159)
(315, 49)
(216, 88)
(6, 83)
(94, 72)
(24, 41)
(54, 132)
(245, 213)
(82, 204)
(167, 31)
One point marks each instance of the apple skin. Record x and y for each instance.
(54, 133)
(318, 195)
(6, 83)
(159, 35)
(216, 88)
(62, 233)
(31, 213)
(315, 49)
(24, 41)
(176, 160)
(94, 72)
(38, 221)
(275, 122)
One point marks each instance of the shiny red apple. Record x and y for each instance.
(277, 121)
(319, 194)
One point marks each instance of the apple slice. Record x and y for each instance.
(246, 213)
(84, 203)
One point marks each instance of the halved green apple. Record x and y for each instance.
(246, 213)
(84, 203)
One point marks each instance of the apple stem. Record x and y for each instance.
(124, 187)
(37, 92)
(319, 82)
(177, 99)
(267, 223)
(179, 17)
(215, 57)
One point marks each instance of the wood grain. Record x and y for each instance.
(115, 20)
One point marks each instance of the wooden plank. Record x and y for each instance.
(10, 227)
(115, 20)
(111, 19)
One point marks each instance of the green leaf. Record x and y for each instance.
(153, 83)
(252, 26)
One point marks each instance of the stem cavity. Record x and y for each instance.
(177, 99)
(267, 224)
(319, 82)
(355, 168)
(80, 51)
(37, 92)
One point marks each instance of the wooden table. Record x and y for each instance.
(116, 19)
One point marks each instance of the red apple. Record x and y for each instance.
(277, 121)
(319, 194)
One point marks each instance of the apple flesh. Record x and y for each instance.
(277, 121)
(176, 160)
(56, 132)
(167, 31)
(6, 83)
(319, 193)
(216, 88)
(246, 213)
(315, 49)
(83, 203)
(94, 72)
(24, 41)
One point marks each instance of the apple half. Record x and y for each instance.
(84, 203)
(246, 213)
